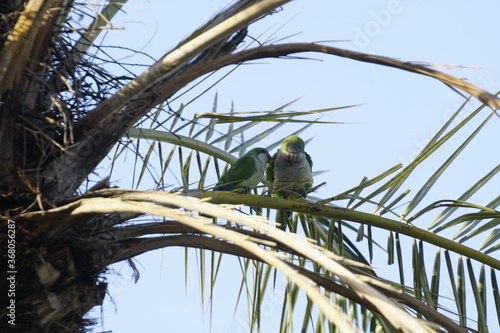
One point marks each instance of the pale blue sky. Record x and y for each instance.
(397, 113)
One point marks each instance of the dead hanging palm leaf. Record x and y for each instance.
(283, 50)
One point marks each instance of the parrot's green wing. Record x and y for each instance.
(240, 171)
(309, 160)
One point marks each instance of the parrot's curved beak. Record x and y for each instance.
(292, 157)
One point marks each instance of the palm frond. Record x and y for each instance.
(163, 204)
(269, 116)
(432, 180)
(181, 140)
(445, 214)
(330, 233)
(496, 293)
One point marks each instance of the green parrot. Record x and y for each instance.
(246, 172)
(290, 170)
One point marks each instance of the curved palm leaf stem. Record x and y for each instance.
(282, 50)
(350, 215)
(181, 140)
(167, 205)
(138, 246)
(330, 310)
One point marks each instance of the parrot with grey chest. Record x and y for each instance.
(290, 173)
(290, 170)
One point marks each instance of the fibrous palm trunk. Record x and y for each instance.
(50, 142)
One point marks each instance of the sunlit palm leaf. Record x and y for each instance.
(270, 116)
(496, 292)
(393, 185)
(478, 292)
(177, 115)
(145, 161)
(204, 172)
(472, 217)
(435, 281)
(390, 248)
(241, 129)
(166, 164)
(493, 238)
(461, 292)
(364, 183)
(181, 141)
(432, 180)
(249, 142)
(445, 214)
(201, 268)
(478, 229)
(400, 260)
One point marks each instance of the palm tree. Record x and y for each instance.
(62, 114)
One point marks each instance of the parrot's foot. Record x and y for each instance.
(295, 195)
(242, 190)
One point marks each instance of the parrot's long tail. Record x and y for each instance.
(285, 218)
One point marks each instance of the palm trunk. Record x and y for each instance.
(49, 146)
